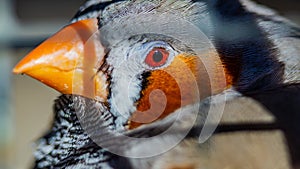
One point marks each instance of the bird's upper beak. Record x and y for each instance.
(68, 61)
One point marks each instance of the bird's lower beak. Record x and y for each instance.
(68, 61)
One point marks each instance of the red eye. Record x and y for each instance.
(157, 57)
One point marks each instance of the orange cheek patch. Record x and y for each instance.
(185, 81)
(159, 99)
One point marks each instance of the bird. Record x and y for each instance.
(171, 84)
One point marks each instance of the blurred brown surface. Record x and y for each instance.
(33, 113)
(33, 10)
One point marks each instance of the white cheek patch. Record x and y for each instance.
(126, 61)
(125, 85)
(125, 91)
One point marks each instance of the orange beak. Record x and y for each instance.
(69, 61)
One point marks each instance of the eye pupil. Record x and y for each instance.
(157, 56)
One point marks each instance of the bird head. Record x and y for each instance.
(142, 68)
(140, 62)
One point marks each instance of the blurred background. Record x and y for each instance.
(25, 104)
